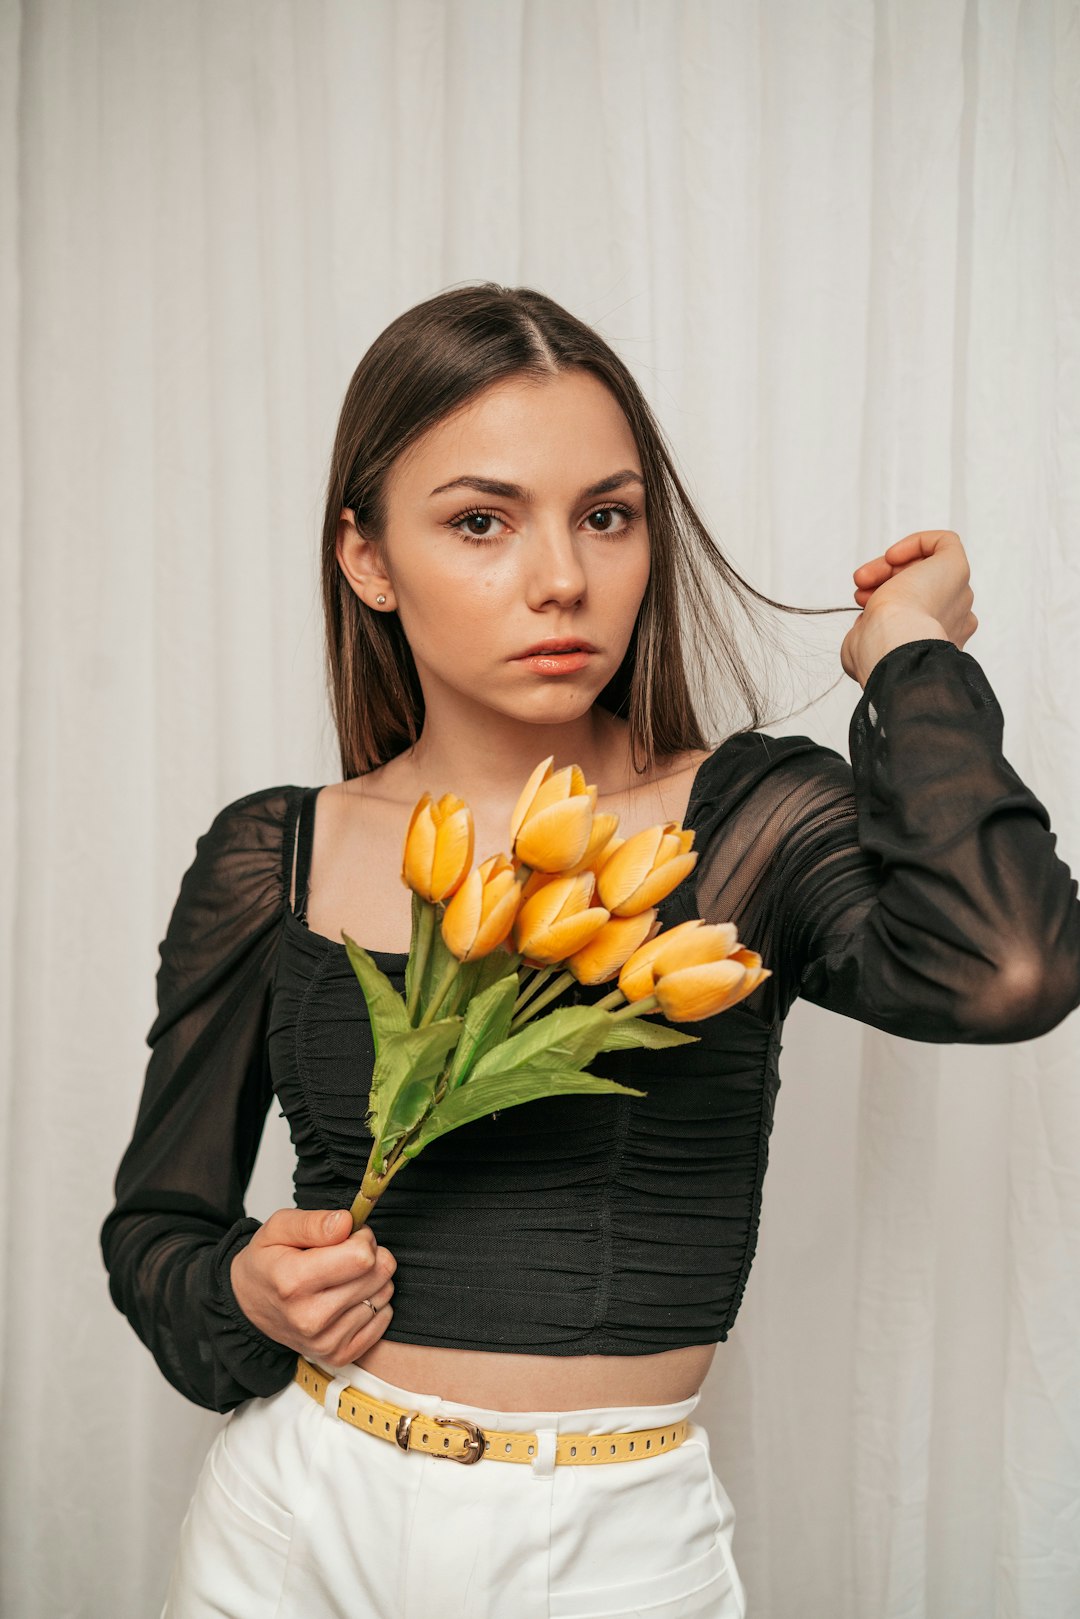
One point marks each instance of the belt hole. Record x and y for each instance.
(386, 1425)
(509, 1447)
(352, 1410)
(648, 1444)
(487, 1444)
(573, 1450)
(424, 1437)
(446, 1444)
(531, 1449)
(632, 1442)
(613, 1450)
(663, 1436)
(594, 1450)
(371, 1416)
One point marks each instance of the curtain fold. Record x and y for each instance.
(837, 243)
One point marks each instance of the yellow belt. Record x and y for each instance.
(412, 1430)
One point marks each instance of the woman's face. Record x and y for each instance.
(478, 575)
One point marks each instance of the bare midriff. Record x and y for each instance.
(505, 1382)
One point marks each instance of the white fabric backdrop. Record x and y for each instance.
(839, 243)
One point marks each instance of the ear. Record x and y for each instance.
(362, 564)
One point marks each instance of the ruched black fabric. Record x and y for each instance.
(916, 889)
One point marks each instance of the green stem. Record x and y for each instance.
(540, 977)
(440, 993)
(648, 1003)
(425, 934)
(563, 981)
(470, 972)
(373, 1186)
(610, 1002)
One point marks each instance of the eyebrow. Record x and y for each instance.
(514, 491)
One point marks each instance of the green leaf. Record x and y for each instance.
(640, 1031)
(406, 1071)
(568, 1038)
(494, 966)
(487, 1019)
(410, 964)
(385, 1006)
(410, 1102)
(479, 1096)
(477, 976)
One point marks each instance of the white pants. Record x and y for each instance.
(298, 1515)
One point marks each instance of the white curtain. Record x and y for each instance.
(838, 242)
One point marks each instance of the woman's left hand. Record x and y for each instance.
(919, 589)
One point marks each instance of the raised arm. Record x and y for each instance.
(179, 1216)
(916, 889)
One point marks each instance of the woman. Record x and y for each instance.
(561, 1270)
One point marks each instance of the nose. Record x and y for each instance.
(555, 571)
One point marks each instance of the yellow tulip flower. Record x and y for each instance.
(693, 993)
(690, 944)
(537, 880)
(608, 949)
(646, 868)
(605, 853)
(599, 847)
(552, 820)
(438, 847)
(558, 920)
(480, 915)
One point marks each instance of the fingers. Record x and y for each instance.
(912, 548)
(349, 1306)
(359, 1332)
(372, 1283)
(327, 1329)
(342, 1265)
(306, 1228)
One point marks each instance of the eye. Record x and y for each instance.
(628, 514)
(471, 515)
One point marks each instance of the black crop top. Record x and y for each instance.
(916, 890)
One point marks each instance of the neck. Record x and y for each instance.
(486, 757)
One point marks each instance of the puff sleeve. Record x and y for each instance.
(179, 1218)
(916, 889)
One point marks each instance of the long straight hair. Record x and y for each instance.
(697, 615)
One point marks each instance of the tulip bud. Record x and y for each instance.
(552, 819)
(537, 880)
(694, 993)
(438, 847)
(558, 920)
(608, 949)
(600, 845)
(646, 868)
(481, 913)
(687, 945)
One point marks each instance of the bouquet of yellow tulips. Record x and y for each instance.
(493, 944)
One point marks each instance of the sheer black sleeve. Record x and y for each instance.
(179, 1218)
(916, 889)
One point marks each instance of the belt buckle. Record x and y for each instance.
(474, 1444)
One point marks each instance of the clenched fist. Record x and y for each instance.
(919, 589)
(303, 1279)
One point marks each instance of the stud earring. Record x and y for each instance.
(380, 600)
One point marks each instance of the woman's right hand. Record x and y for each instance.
(304, 1284)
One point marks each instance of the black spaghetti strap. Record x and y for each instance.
(306, 827)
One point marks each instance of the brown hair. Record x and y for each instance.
(425, 364)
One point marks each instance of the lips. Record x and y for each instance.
(557, 644)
